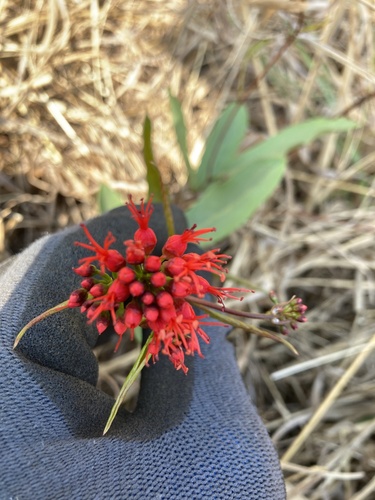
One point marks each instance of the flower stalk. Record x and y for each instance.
(60, 307)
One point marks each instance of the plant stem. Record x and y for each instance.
(226, 319)
(34, 321)
(207, 303)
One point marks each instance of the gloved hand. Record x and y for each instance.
(194, 436)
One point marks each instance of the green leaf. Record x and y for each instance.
(180, 129)
(108, 199)
(231, 198)
(291, 137)
(228, 204)
(222, 144)
(130, 379)
(155, 184)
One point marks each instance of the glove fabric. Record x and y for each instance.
(194, 436)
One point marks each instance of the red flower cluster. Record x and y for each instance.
(148, 290)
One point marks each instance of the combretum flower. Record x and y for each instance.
(157, 292)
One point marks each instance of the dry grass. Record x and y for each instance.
(77, 79)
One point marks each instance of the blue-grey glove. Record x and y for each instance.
(194, 436)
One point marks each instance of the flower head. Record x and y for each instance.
(139, 289)
(288, 314)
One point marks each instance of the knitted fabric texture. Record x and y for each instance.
(192, 436)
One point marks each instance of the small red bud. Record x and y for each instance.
(302, 319)
(148, 298)
(152, 264)
(302, 309)
(136, 288)
(120, 326)
(158, 279)
(147, 238)
(120, 290)
(77, 298)
(181, 289)
(175, 266)
(164, 300)
(135, 253)
(98, 290)
(86, 270)
(133, 315)
(114, 261)
(102, 323)
(151, 313)
(167, 314)
(87, 283)
(126, 275)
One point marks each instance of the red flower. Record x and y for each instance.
(149, 290)
(177, 244)
(144, 235)
(220, 293)
(112, 259)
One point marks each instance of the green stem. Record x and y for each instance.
(142, 359)
(34, 321)
(155, 183)
(168, 212)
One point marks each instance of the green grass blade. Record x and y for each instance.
(130, 379)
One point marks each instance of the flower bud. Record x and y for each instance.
(77, 298)
(120, 326)
(175, 245)
(136, 288)
(152, 264)
(86, 270)
(181, 289)
(147, 238)
(167, 314)
(98, 290)
(175, 266)
(151, 313)
(114, 261)
(132, 315)
(126, 275)
(158, 279)
(120, 290)
(135, 253)
(103, 322)
(87, 283)
(164, 300)
(92, 310)
(148, 298)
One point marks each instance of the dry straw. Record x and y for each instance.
(76, 80)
